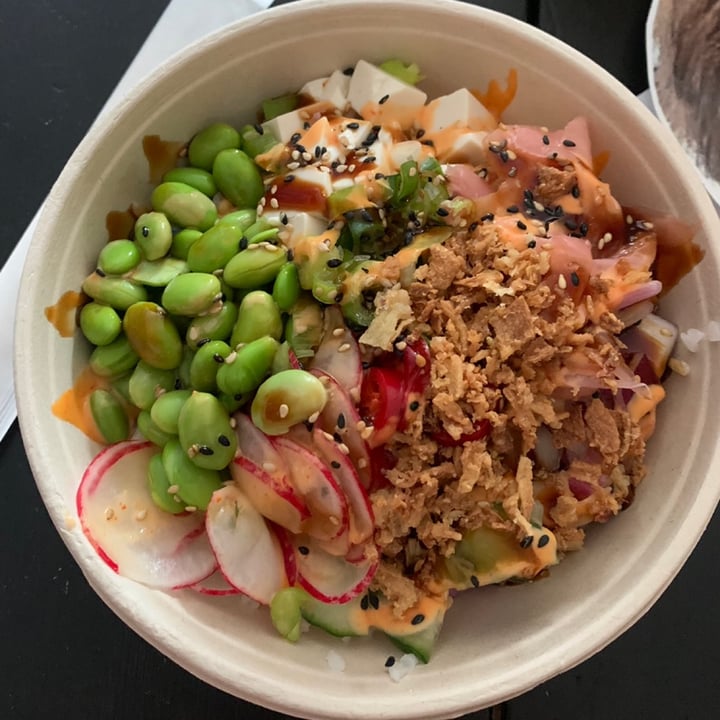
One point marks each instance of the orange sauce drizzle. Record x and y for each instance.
(62, 314)
(600, 161)
(73, 406)
(496, 98)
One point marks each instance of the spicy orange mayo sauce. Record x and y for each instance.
(62, 314)
(497, 99)
(73, 406)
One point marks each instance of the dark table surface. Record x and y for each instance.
(62, 652)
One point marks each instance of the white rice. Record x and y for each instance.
(402, 667)
(335, 661)
(712, 331)
(692, 339)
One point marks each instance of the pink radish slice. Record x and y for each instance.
(271, 494)
(255, 445)
(339, 354)
(327, 577)
(247, 550)
(317, 487)
(129, 532)
(361, 520)
(340, 410)
(215, 585)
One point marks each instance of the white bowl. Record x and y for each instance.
(497, 642)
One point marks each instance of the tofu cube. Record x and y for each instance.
(331, 89)
(468, 147)
(461, 109)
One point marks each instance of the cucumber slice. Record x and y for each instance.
(346, 620)
(422, 642)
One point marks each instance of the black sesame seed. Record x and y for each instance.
(374, 600)
(366, 216)
(303, 550)
(308, 425)
(353, 126)
(224, 440)
(553, 156)
(414, 405)
(532, 244)
(513, 209)
(348, 71)
(202, 342)
(575, 192)
(526, 542)
(335, 464)
(574, 279)
(369, 159)
(419, 133)
(177, 384)
(218, 358)
(145, 231)
(504, 156)
(306, 126)
(383, 99)
(341, 421)
(205, 450)
(337, 437)
(568, 143)
(543, 541)
(243, 243)
(379, 176)
(429, 143)
(488, 216)
(334, 262)
(472, 227)
(289, 178)
(238, 396)
(475, 582)
(583, 229)
(521, 225)
(290, 254)
(294, 138)
(417, 619)
(259, 129)
(300, 148)
(442, 212)
(390, 661)
(338, 298)
(364, 603)
(100, 272)
(546, 140)
(284, 218)
(570, 224)
(318, 152)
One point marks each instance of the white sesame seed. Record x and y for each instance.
(367, 432)
(401, 345)
(140, 515)
(324, 168)
(283, 410)
(337, 332)
(293, 165)
(511, 155)
(109, 513)
(562, 282)
(307, 157)
(360, 425)
(269, 467)
(351, 168)
(274, 203)
(328, 436)
(601, 243)
(295, 154)
(538, 206)
(341, 168)
(412, 172)
(273, 189)
(343, 448)
(263, 201)
(607, 237)
(344, 347)
(230, 358)
(679, 366)
(173, 490)
(665, 332)
(362, 463)
(313, 418)
(233, 423)
(629, 220)
(190, 508)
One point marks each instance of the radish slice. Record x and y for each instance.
(247, 550)
(340, 410)
(360, 518)
(215, 585)
(318, 488)
(327, 577)
(339, 354)
(130, 533)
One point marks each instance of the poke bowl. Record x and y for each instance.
(472, 281)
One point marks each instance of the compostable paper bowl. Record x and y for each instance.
(497, 642)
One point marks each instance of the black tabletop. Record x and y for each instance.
(62, 652)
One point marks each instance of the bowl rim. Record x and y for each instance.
(675, 552)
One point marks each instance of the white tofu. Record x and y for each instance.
(331, 89)
(369, 85)
(467, 148)
(284, 126)
(322, 135)
(343, 182)
(354, 137)
(314, 176)
(403, 151)
(299, 224)
(460, 108)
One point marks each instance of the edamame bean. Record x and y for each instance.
(258, 315)
(285, 399)
(206, 144)
(205, 433)
(254, 267)
(100, 324)
(215, 326)
(114, 359)
(121, 387)
(117, 292)
(109, 416)
(184, 369)
(242, 219)
(183, 241)
(206, 363)
(238, 178)
(191, 294)
(118, 257)
(214, 249)
(261, 231)
(195, 177)
(184, 205)
(153, 335)
(158, 273)
(233, 403)
(281, 361)
(248, 369)
(255, 143)
(195, 485)
(159, 484)
(165, 411)
(153, 235)
(151, 431)
(286, 288)
(147, 383)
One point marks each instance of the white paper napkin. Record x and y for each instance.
(183, 22)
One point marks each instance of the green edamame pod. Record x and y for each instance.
(206, 144)
(153, 335)
(153, 235)
(191, 294)
(183, 241)
(118, 257)
(195, 485)
(159, 486)
(215, 326)
(238, 178)
(205, 433)
(116, 292)
(205, 365)
(151, 431)
(256, 143)
(214, 249)
(286, 288)
(242, 219)
(114, 359)
(165, 411)
(249, 367)
(254, 267)
(158, 273)
(147, 383)
(285, 399)
(184, 205)
(195, 177)
(109, 416)
(100, 324)
(258, 316)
